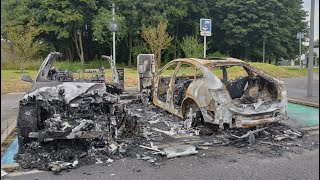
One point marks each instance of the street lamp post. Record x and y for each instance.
(113, 27)
(113, 37)
(310, 63)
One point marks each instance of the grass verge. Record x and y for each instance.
(11, 79)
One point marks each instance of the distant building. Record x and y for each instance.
(305, 57)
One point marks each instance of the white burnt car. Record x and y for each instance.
(211, 92)
(59, 106)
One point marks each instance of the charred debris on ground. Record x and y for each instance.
(100, 128)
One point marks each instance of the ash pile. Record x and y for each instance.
(95, 127)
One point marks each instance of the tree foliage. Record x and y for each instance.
(157, 39)
(22, 39)
(192, 47)
(78, 28)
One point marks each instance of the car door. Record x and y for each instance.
(163, 86)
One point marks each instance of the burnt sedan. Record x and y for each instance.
(222, 91)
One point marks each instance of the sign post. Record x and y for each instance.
(205, 30)
(300, 35)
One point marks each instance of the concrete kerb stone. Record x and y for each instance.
(312, 128)
(8, 130)
(306, 103)
(16, 93)
(10, 167)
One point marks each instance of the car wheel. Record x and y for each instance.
(197, 119)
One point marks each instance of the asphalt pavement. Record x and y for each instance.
(209, 166)
(297, 88)
(9, 109)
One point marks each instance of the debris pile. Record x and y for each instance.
(100, 129)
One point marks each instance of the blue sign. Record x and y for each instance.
(205, 26)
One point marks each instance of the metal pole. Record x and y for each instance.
(310, 62)
(204, 45)
(113, 36)
(263, 50)
(300, 60)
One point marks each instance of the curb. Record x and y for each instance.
(297, 101)
(10, 167)
(8, 131)
(13, 93)
(312, 128)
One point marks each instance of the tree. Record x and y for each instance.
(22, 39)
(238, 29)
(157, 38)
(191, 47)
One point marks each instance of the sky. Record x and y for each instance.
(307, 7)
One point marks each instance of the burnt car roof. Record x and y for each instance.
(213, 61)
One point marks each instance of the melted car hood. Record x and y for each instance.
(67, 90)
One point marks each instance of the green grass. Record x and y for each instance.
(63, 65)
(11, 79)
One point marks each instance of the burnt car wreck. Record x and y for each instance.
(74, 112)
(65, 122)
(194, 88)
(59, 106)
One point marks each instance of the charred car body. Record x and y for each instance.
(205, 90)
(59, 106)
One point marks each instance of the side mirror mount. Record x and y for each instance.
(26, 78)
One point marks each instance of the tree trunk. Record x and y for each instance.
(81, 48)
(78, 42)
(158, 59)
(130, 50)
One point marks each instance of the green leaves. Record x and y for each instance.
(23, 40)
(191, 47)
(157, 38)
(238, 29)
